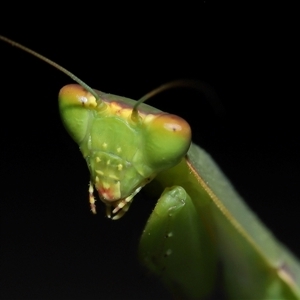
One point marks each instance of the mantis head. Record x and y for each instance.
(125, 143)
(125, 147)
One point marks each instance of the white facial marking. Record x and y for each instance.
(106, 185)
(99, 172)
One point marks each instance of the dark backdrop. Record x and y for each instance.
(52, 247)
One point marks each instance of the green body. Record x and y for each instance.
(242, 256)
(201, 237)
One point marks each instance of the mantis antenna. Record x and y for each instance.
(52, 63)
(195, 84)
(185, 83)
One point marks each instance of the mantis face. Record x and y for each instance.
(124, 148)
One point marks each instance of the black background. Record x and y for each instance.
(52, 247)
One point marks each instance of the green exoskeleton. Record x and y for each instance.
(201, 237)
(125, 148)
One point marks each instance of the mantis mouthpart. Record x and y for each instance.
(201, 237)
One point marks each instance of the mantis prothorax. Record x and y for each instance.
(186, 239)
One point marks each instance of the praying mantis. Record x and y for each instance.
(283, 272)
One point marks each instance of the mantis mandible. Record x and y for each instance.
(208, 207)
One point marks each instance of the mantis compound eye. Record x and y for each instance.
(74, 105)
(168, 138)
